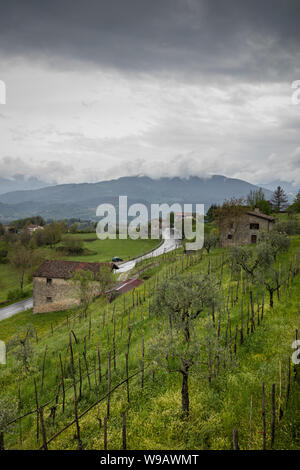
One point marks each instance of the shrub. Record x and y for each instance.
(3, 255)
(277, 241)
(15, 294)
(73, 246)
(211, 240)
(290, 227)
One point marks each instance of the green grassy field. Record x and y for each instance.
(285, 216)
(9, 281)
(105, 250)
(42, 323)
(154, 418)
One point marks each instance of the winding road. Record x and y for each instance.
(18, 307)
(170, 242)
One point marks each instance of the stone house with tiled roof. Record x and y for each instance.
(54, 289)
(244, 229)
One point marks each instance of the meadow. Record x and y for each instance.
(105, 250)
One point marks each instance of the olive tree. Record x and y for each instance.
(276, 241)
(259, 261)
(84, 282)
(210, 241)
(272, 278)
(179, 303)
(22, 348)
(88, 284)
(251, 258)
(106, 277)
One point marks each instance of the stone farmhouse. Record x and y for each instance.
(245, 229)
(54, 289)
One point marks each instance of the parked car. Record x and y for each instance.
(116, 259)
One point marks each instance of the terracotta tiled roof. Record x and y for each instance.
(65, 269)
(261, 215)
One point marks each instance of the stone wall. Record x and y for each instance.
(63, 294)
(241, 232)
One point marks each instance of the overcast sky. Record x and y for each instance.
(98, 89)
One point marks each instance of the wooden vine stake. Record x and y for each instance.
(44, 434)
(242, 326)
(143, 363)
(127, 378)
(37, 412)
(63, 382)
(288, 384)
(114, 344)
(75, 397)
(43, 370)
(235, 440)
(87, 370)
(108, 384)
(124, 443)
(273, 416)
(280, 412)
(80, 378)
(99, 363)
(250, 421)
(263, 414)
(105, 432)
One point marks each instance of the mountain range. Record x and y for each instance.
(81, 200)
(20, 182)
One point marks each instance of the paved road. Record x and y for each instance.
(12, 309)
(170, 243)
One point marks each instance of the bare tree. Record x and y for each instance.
(230, 215)
(22, 260)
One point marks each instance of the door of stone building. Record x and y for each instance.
(253, 238)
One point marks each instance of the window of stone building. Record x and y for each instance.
(49, 280)
(254, 226)
(49, 299)
(229, 236)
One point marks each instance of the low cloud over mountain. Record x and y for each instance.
(81, 200)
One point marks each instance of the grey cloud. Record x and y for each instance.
(50, 171)
(182, 50)
(232, 38)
